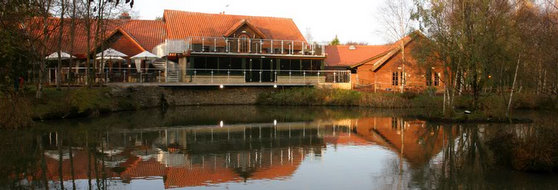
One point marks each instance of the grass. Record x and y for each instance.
(310, 97)
(77, 102)
(340, 97)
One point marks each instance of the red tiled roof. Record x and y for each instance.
(380, 61)
(139, 35)
(181, 24)
(344, 56)
(148, 33)
(80, 41)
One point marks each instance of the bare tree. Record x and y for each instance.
(397, 23)
(60, 36)
(45, 11)
(309, 36)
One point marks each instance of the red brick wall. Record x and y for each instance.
(382, 78)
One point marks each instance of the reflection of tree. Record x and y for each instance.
(463, 161)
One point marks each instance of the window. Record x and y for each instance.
(244, 43)
(395, 79)
(428, 77)
(436, 79)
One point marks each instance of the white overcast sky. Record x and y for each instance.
(351, 20)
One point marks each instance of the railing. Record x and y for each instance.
(78, 76)
(213, 45)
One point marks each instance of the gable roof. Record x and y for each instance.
(345, 56)
(147, 33)
(182, 24)
(380, 61)
(80, 41)
(241, 23)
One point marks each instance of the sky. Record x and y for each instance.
(350, 20)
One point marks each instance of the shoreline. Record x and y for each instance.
(92, 102)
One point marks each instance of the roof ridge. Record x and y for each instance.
(202, 13)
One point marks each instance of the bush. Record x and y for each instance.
(432, 105)
(87, 100)
(533, 152)
(493, 106)
(16, 112)
(310, 96)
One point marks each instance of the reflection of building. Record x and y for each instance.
(197, 156)
(411, 138)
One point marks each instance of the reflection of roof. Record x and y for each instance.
(416, 151)
(80, 167)
(276, 171)
(139, 168)
(346, 139)
(273, 165)
(189, 177)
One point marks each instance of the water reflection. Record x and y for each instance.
(255, 148)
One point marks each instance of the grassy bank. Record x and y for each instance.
(21, 108)
(492, 107)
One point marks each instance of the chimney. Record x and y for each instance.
(125, 15)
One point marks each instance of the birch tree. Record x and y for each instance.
(397, 23)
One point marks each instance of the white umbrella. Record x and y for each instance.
(145, 55)
(111, 53)
(54, 56)
(109, 58)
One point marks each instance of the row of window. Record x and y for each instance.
(398, 78)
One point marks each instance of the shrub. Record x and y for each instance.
(310, 96)
(16, 112)
(86, 100)
(493, 106)
(432, 105)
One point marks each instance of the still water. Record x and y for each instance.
(249, 147)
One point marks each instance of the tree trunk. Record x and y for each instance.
(88, 59)
(38, 93)
(404, 75)
(60, 35)
(72, 37)
(513, 86)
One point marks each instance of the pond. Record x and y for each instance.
(252, 147)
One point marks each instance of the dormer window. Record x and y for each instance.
(352, 47)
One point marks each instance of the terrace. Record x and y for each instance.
(240, 46)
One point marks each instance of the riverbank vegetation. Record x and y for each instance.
(490, 107)
(60, 104)
(492, 52)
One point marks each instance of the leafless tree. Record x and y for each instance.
(397, 23)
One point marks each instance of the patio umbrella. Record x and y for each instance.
(145, 55)
(110, 54)
(54, 56)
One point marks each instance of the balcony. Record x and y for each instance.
(240, 46)
(154, 76)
